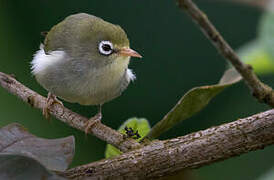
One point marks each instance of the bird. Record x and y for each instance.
(84, 59)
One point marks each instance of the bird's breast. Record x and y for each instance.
(105, 83)
(79, 80)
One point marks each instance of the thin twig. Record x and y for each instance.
(161, 158)
(67, 116)
(261, 91)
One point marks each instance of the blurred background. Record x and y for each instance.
(177, 57)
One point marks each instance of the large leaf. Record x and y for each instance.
(19, 167)
(137, 124)
(54, 154)
(192, 102)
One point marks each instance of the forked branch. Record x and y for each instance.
(261, 91)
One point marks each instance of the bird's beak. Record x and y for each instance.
(129, 52)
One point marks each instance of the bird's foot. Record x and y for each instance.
(51, 99)
(92, 121)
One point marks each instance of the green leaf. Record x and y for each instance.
(20, 167)
(254, 54)
(54, 154)
(192, 102)
(137, 124)
(266, 33)
(260, 52)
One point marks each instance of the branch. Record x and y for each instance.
(161, 158)
(67, 116)
(260, 90)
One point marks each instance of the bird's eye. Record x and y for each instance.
(105, 47)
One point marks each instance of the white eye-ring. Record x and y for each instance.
(105, 47)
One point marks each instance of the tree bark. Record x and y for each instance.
(261, 91)
(161, 158)
(65, 115)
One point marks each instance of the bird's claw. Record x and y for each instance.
(92, 121)
(51, 99)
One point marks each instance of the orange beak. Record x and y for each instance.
(129, 52)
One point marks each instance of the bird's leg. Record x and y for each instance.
(51, 99)
(94, 120)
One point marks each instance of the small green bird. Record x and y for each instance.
(84, 60)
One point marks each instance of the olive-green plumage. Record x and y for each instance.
(84, 60)
(76, 32)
